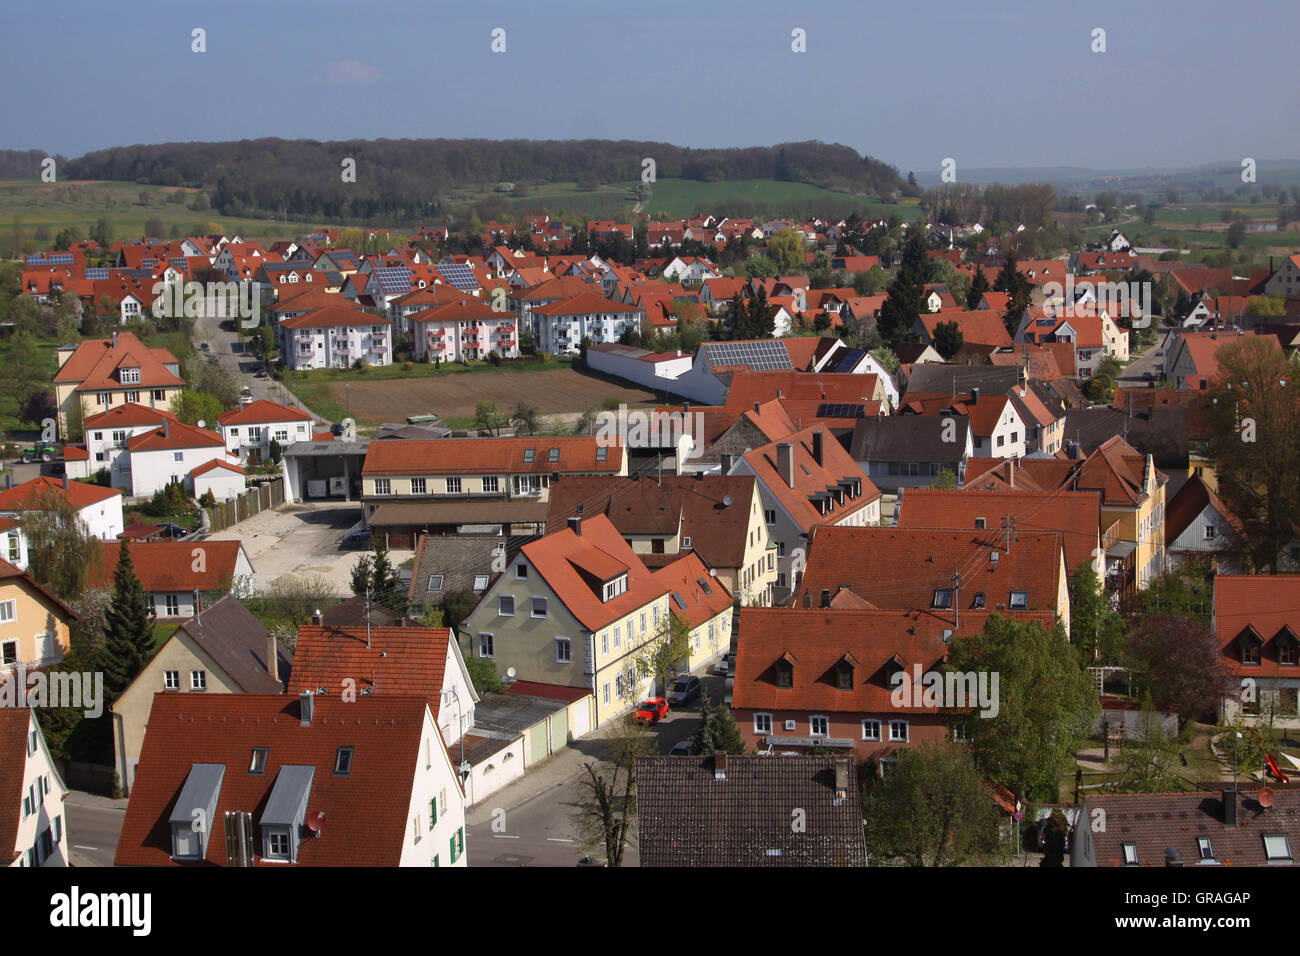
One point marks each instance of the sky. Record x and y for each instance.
(1009, 83)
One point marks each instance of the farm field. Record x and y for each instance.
(455, 396)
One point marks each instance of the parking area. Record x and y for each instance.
(301, 539)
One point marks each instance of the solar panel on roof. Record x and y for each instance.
(392, 279)
(767, 356)
(96, 273)
(177, 261)
(60, 259)
(458, 275)
(839, 410)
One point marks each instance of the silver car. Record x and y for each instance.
(684, 688)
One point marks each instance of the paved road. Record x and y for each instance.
(1149, 361)
(224, 343)
(94, 824)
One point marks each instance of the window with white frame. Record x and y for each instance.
(605, 694)
(418, 486)
(898, 731)
(172, 605)
(539, 607)
(505, 605)
(871, 730)
(819, 726)
(762, 723)
(1277, 846)
(490, 484)
(8, 612)
(8, 652)
(453, 485)
(383, 486)
(171, 680)
(435, 582)
(198, 680)
(563, 650)
(485, 645)
(1019, 600)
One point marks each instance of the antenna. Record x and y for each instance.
(367, 617)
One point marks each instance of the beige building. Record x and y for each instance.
(33, 623)
(101, 374)
(223, 650)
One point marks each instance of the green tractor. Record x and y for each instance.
(42, 451)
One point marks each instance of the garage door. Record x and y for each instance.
(582, 717)
(559, 730)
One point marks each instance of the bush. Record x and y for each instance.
(209, 500)
(361, 366)
(169, 499)
(494, 357)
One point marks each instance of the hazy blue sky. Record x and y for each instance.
(1007, 83)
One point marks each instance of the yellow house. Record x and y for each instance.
(34, 624)
(223, 650)
(101, 374)
(575, 608)
(1132, 510)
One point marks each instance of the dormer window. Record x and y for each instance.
(784, 673)
(528, 455)
(130, 376)
(1288, 648)
(1250, 645)
(553, 455)
(614, 588)
(844, 673)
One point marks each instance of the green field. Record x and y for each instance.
(58, 205)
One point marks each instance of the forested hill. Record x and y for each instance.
(408, 178)
(23, 164)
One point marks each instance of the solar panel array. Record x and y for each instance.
(458, 275)
(54, 259)
(763, 356)
(393, 280)
(96, 273)
(177, 261)
(149, 263)
(838, 410)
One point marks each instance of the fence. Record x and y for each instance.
(87, 777)
(259, 497)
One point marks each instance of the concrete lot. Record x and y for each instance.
(302, 539)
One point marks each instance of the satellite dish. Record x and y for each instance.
(1265, 798)
(510, 672)
(713, 572)
(316, 823)
(201, 423)
(726, 501)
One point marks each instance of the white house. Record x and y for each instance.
(654, 370)
(171, 452)
(249, 430)
(174, 574)
(559, 327)
(107, 434)
(466, 329)
(998, 430)
(690, 269)
(223, 479)
(336, 337)
(100, 509)
(33, 829)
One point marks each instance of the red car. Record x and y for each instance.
(652, 710)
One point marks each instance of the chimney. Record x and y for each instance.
(305, 707)
(114, 340)
(575, 525)
(719, 766)
(1230, 806)
(167, 428)
(826, 597)
(65, 481)
(975, 395)
(756, 406)
(817, 446)
(841, 777)
(785, 462)
(272, 657)
(1011, 472)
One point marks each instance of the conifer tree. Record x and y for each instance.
(128, 634)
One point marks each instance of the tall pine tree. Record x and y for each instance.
(978, 286)
(1012, 281)
(906, 298)
(128, 632)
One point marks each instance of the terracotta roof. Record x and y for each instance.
(810, 478)
(262, 411)
(982, 326)
(463, 308)
(574, 567)
(365, 811)
(14, 725)
(208, 466)
(704, 596)
(129, 415)
(532, 688)
(399, 661)
(687, 817)
(1075, 514)
(169, 565)
(903, 567)
(559, 287)
(333, 316)
(175, 435)
(748, 387)
(1192, 499)
(454, 456)
(95, 365)
(587, 303)
(1268, 605)
(78, 493)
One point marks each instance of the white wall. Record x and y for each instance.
(222, 483)
(151, 470)
(653, 375)
(434, 779)
(238, 441)
(49, 808)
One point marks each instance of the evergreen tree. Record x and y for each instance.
(978, 286)
(1012, 281)
(128, 634)
(906, 298)
(717, 731)
(702, 742)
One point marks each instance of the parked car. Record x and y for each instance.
(723, 666)
(652, 710)
(681, 749)
(173, 531)
(357, 538)
(684, 688)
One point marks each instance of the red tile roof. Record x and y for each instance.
(981, 327)
(365, 811)
(810, 478)
(704, 596)
(831, 387)
(588, 303)
(262, 411)
(129, 415)
(208, 466)
(334, 316)
(454, 456)
(14, 725)
(78, 493)
(170, 565)
(399, 661)
(1268, 604)
(95, 365)
(175, 435)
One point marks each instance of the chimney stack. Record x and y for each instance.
(272, 657)
(817, 446)
(167, 428)
(975, 395)
(1230, 806)
(756, 406)
(785, 462)
(719, 766)
(114, 340)
(306, 702)
(826, 597)
(841, 777)
(575, 525)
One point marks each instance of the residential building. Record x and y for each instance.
(447, 564)
(806, 481)
(218, 478)
(463, 330)
(336, 337)
(719, 517)
(171, 453)
(909, 451)
(33, 828)
(179, 577)
(559, 327)
(107, 434)
(221, 650)
(723, 810)
(1256, 620)
(459, 485)
(702, 604)
(249, 430)
(573, 608)
(100, 509)
(322, 782)
(1199, 528)
(34, 626)
(100, 374)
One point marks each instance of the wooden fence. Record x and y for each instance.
(258, 497)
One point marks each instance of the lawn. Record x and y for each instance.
(163, 630)
(684, 197)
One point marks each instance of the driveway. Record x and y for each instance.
(300, 540)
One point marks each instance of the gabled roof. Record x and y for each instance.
(979, 327)
(96, 363)
(262, 412)
(175, 435)
(169, 565)
(1191, 501)
(903, 567)
(334, 316)
(11, 572)
(575, 565)
(398, 661)
(748, 387)
(14, 725)
(208, 466)
(586, 303)
(129, 415)
(237, 641)
(697, 596)
(455, 456)
(1268, 603)
(810, 478)
(909, 438)
(78, 493)
(365, 811)
(687, 817)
